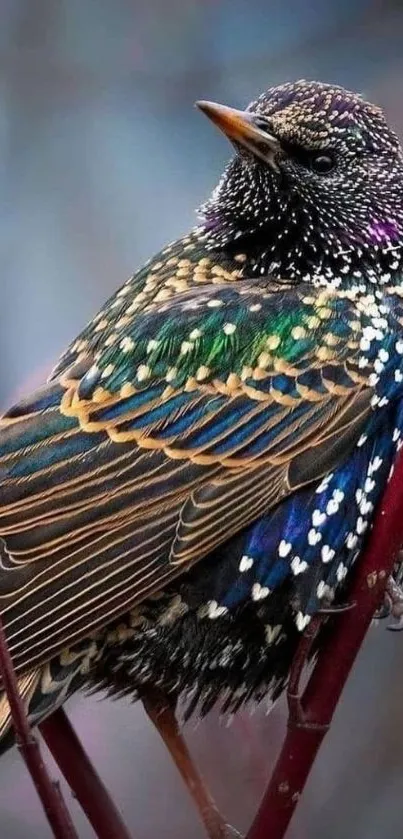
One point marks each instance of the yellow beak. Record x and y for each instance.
(242, 128)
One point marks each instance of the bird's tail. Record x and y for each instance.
(27, 685)
(46, 688)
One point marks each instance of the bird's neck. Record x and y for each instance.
(300, 260)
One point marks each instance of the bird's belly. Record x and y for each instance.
(227, 660)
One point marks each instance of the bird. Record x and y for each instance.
(198, 476)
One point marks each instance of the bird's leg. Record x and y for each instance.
(294, 693)
(161, 711)
(301, 658)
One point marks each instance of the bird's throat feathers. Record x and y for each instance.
(288, 237)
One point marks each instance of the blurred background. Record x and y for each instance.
(103, 159)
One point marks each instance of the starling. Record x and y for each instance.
(197, 477)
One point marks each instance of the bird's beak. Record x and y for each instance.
(242, 128)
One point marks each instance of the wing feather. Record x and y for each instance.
(131, 465)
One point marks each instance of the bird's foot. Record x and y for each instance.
(233, 833)
(393, 604)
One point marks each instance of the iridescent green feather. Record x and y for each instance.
(214, 332)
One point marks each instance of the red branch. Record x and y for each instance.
(82, 777)
(48, 790)
(311, 714)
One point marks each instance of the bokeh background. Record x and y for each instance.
(102, 160)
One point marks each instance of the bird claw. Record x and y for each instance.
(392, 605)
(232, 831)
(385, 610)
(336, 609)
(396, 627)
(394, 592)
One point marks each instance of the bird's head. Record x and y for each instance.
(315, 190)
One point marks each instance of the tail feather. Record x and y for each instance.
(46, 688)
(27, 686)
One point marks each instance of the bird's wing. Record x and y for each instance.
(201, 414)
(179, 267)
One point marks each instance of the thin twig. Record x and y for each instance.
(82, 777)
(48, 790)
(162, 715)
(307, 727)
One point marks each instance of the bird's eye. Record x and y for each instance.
(322, 163)
(261, 122)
